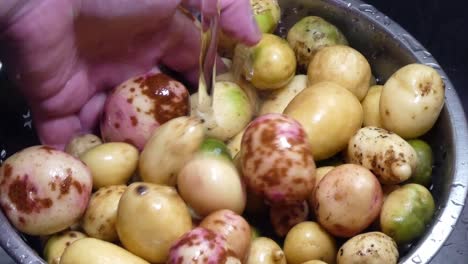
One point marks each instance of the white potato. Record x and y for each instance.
(111, 163)
(411, 100)
(386, 154)
(169, 148)
(342, 65)
(370, 106)
(369, 248)
(277, 100)
(82, 143)
(57, 244)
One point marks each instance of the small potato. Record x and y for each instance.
(234, 145)
(370, 105)
(111, 163)
(277, 100)
(101, 215)
(342, 65)
(319, 174)
(386, 154)
(233, 227)
(347, 200)
(423, 173)
(209, 184)
(44, 190)
(330, 115)
(265, 251)
(215, 147)
(57, 244)
(369, 248)
(285, 217)
(246, 86)
(271, 64)
(169, 148)
(267, 13)
(411, 100)
(82, 143)
(308, 241)
(150, 218)
(95, 251)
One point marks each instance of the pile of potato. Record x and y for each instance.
(169, 182)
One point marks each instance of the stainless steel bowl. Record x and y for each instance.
(387, 47)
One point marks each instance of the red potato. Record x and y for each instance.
(285, 217)
(44, 190)
(140, 105)
(276, 159)
(347, 200)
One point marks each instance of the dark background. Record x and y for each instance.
(442, 27)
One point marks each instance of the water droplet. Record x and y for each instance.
(426, 54)
(387, 21)
(1, 65)
(456, 203)
(416, 259)
(367, 8)
(412, 43)
(8, 243)
(433, 65)
(349, 4)
(458, 185)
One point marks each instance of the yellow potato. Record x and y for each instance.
(370, 106)
(411, 100)
(314, 262)
(101, 214)
(234, 145)
(343, 65)
(95, 251)
(308, 241)
(111, 163)
(330, 115)
(319, 174)
(369, 248)
(150, 218)
(278, 99)
(265, 251)
(57, 244)
(80, 144)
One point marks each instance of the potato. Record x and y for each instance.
(80, 144)
(57, 244)
(406, 213)
(267, 13)
(44, 190)
(314, 262)
(285, 217)
(150, 218)
(342, 65)
(319, 174)
(230, 113)
(234, 145)
(208, 184)
(370, 105)
(277, 100)
(411, 100)
(265, 251)
(246, 86)
(215, 147)
(276, 159)
(169, 148)
(347, 200)
(233, 227)
(308, 241)
(95, 251)
(137, 107)
(369, 248)
(330, 115)
(423, 173)
(101, 214)
(111, 163)
(309, 35)
(386, 154)
(270, 64)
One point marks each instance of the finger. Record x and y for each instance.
(57, 132)
(91, 112)
(237, 19)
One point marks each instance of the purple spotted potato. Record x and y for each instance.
(233, 227)
(140, 105)
(276, 159)
(44, 190)
(201, 246)
(285, 217)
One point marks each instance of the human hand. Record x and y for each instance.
(64, 54)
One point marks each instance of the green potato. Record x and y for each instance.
(267, 14)
(406, 213)
(310, 34)
(424, 165)
(215, 147)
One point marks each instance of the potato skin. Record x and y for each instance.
(387, 155)
(44, 190)
(347, 200)
(371, 106)
(57, 244)
(278, 100)
(150, 218)
(411, 100)
(265, 251)
(353, 73)
(82, 143)
(308, 241)
(101, 214)
(368, 248)
(330, 115)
